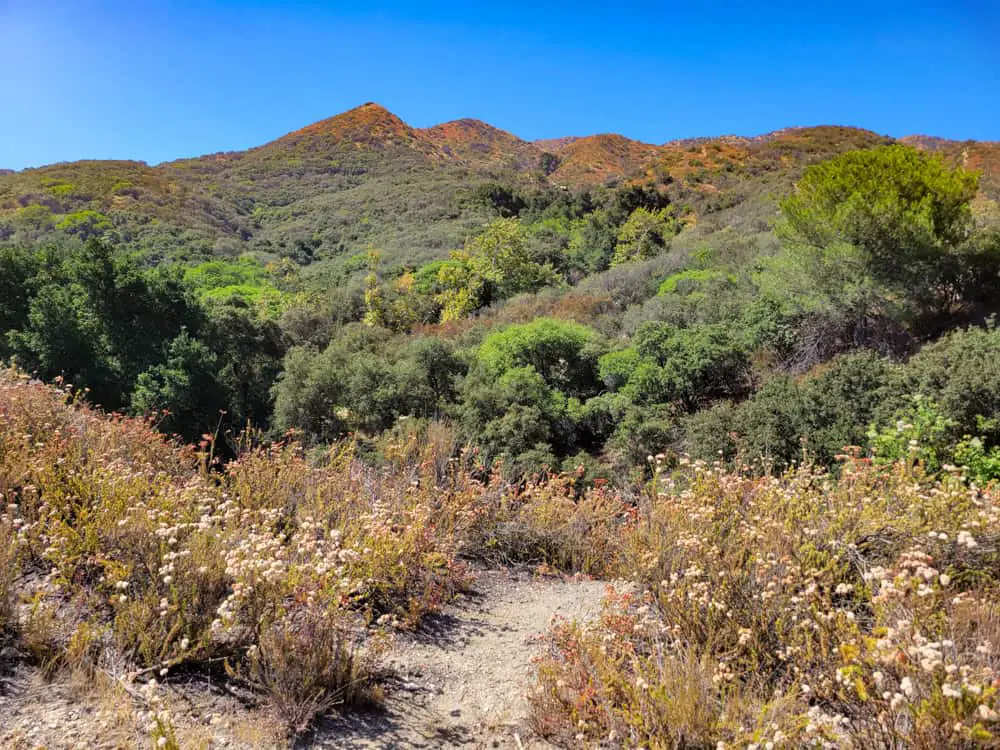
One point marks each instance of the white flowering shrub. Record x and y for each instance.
(118, 546)
(9, 568)
(793, 611)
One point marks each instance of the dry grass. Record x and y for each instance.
(801, 610)
(9, 570)
(791, 611)
(122, 549)
(127, 554)
(308, 664)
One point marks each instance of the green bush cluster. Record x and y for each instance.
(595, 326)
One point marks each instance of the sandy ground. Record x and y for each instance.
(461, 681)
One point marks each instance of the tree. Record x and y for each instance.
(562, 352)
(86, 224)
(495, 265)
(961, 373)
(515, 416)
(249, 349)
(691, 366)
(645, 234)
(308, 394)
(500, 198)
(186, 387)
(18, 269)
(871, 228)
(902, 210)
(63, 337)
(428, 371)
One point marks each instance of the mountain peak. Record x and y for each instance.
(370, 124)
(600, 158)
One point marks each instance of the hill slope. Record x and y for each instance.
(365, 177)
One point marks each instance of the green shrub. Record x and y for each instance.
(691, 366)
(562, 352)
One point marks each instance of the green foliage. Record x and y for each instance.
(870, 234)
(920, 433)
(363, 380)
(63, 337)
(248, 349)
(616, 368)
(642, 432)
(522, 400)
(517, 418)
(644, 235)
(35, 216)
(85, 224)
(245, 280)
(945, 393)
(687, 365)
(426, 278)
(186, 387)
(260, 255)
(695, 281)
(900, 209)
(500, 198)
(789, 419)
(981, 464)
(562, 352)
(961, 374)
(136, 337)
(18, 270)
(493, 266)
(375, 313)
(96, 318)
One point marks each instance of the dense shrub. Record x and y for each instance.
(563, 353)
(364, 380)
(961, 373)
(170, 567)
(790, 611)
(688, 365)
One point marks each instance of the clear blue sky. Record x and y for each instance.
(156, 80)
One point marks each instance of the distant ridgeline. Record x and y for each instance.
(561, 303)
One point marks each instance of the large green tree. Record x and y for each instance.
(874, 243)
(492, 266)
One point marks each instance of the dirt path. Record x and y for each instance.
(459, 682)
(462, 680)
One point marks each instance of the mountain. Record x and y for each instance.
(599, 159)
(367, 178)
(981, 155)
(478, 143)
(367, 126)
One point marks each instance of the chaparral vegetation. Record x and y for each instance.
(263, 413)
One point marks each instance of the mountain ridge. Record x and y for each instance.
(366, 177)
(373, 124)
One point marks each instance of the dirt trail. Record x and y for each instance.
(462, 680)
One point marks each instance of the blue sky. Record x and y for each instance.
(156, 80)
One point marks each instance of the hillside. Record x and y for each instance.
(703, 437)
(290, 599)
(327, 191)
(274, 285)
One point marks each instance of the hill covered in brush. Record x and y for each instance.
(366, 176)
(758, 378)
(580, 301)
